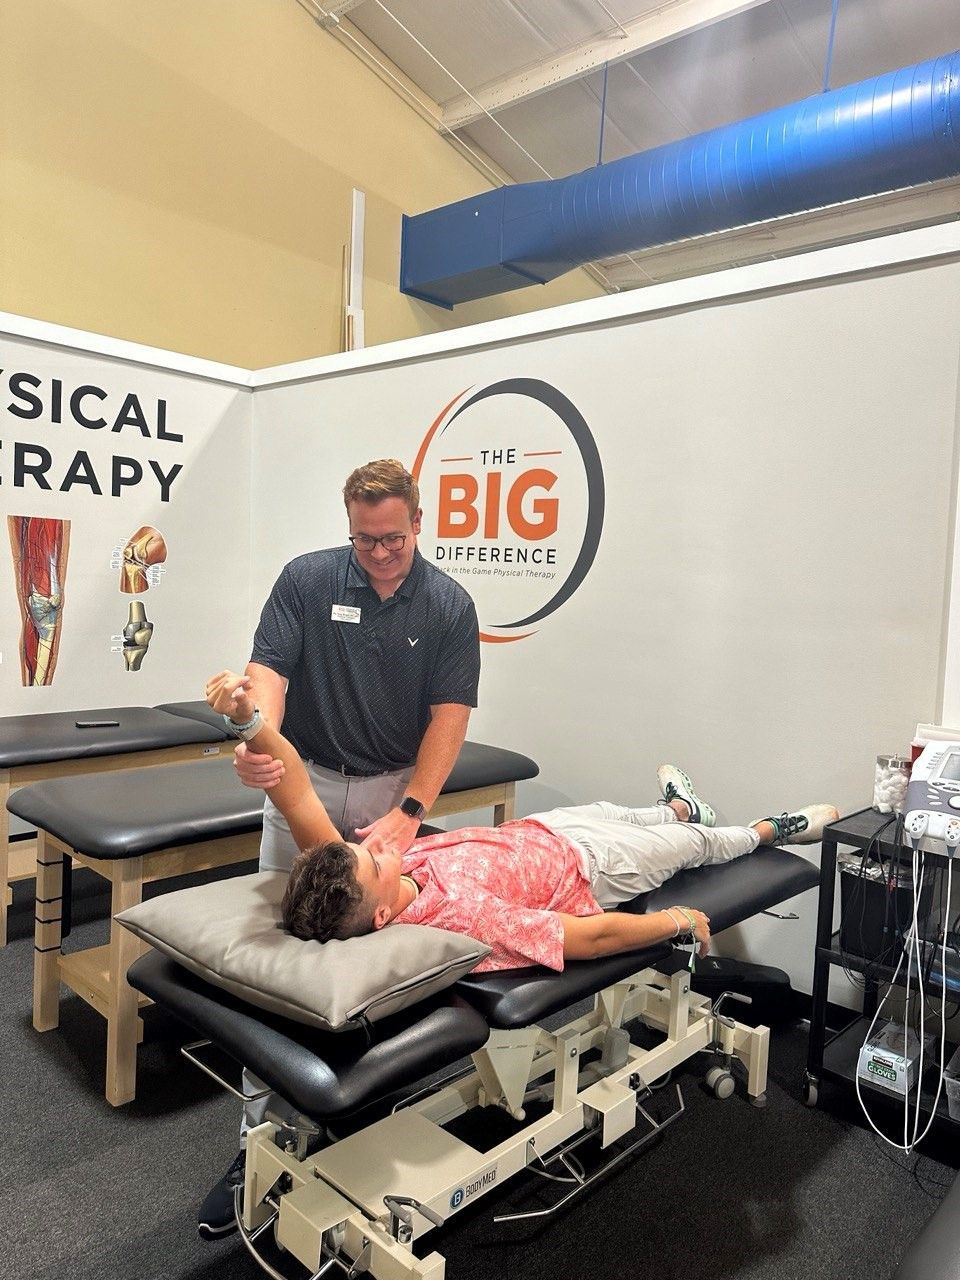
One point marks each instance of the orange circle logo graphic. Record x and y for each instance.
(514, 478)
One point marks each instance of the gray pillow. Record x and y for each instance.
(227, 934)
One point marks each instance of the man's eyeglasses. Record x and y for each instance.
(366, 541)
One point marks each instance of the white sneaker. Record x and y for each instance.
(802, 826)
(676, 785)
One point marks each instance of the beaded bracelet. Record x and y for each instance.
(690, 920)
(248, 730)
(692, 929)
(687, 915)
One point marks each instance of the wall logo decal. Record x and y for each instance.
(513, 494)
(61, 414)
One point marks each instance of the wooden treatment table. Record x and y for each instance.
(131, 828)
(35, 748)
(482, 776)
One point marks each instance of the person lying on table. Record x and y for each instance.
(537, 890)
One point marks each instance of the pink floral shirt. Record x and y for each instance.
(502, 885)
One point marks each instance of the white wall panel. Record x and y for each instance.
(767, 603)
(199, 607)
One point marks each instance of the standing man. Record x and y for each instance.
(369, 657)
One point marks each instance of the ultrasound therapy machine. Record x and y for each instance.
(893, 1054)
(932, 805)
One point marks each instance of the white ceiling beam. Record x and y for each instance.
(428, 110)
(330, 14)
(673, 19)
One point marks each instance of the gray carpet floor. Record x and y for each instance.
(96, 1193)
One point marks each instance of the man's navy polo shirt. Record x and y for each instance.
(360, 692)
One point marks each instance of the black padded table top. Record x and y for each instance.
(138, 811)
(481, 766)
(728, 894)
(199, 710)
(322, 1073)
(514, 998)
(53, 735)
(736, 890)
(478, 765)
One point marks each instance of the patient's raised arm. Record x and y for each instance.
(293, 795)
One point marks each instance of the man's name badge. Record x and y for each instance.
(344, 613)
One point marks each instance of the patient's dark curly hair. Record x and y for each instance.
(323, 898)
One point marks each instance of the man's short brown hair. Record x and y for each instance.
(385, 478)
(323, 898)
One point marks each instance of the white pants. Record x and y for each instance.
(351, 803)
(631, 851)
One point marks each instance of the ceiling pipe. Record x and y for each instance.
(896, 130)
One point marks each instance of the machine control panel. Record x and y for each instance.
(932, 804)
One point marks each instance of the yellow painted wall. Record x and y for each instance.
(179, 173)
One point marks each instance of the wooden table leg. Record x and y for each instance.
(47, 935)
(504, 812)
(123, 1023)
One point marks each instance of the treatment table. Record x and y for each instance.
(131, 828)
(358, 1199)
(482, 776)
(141, 826)
(51, 745)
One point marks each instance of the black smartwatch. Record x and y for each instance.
(412, 808)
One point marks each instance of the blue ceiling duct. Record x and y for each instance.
(893, 131)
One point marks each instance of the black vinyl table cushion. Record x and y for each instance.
(125, 815)
(53, 735)
(729, 893)
(510, 999)
(199, 710)
(478, 765)
(327, 1074)
(734, 891)
(139, 811)
(321, 1073)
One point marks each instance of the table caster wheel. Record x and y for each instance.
(811, 1092)
(721, 1082)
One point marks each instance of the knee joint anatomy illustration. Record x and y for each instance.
(142, 549)
(39, 548)
(136, 636)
